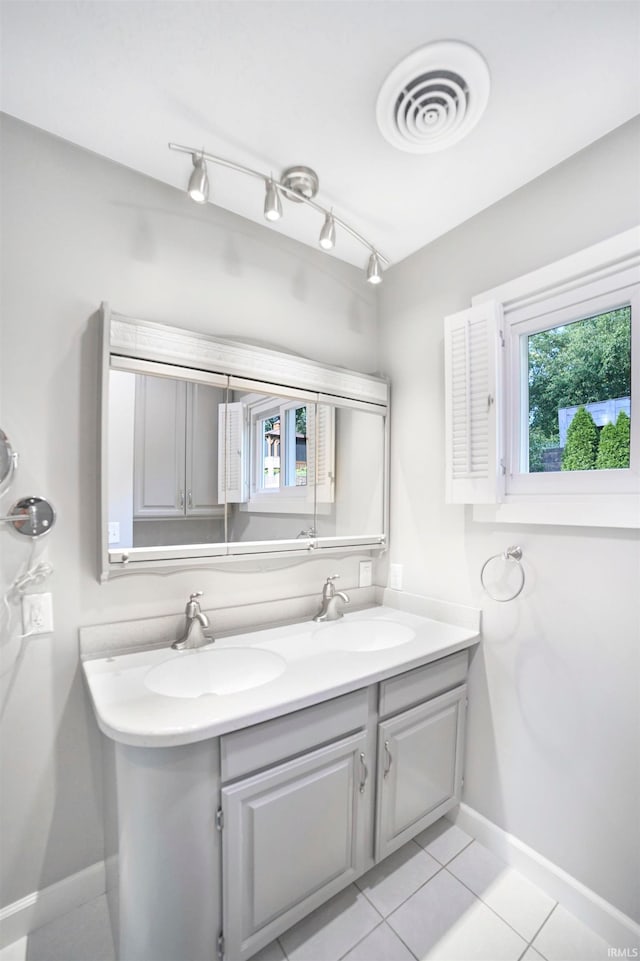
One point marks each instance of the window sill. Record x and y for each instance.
(279, 503)
(595, 510)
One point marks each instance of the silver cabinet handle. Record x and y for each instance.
(181, 498)
(364, 773)
(389, 759)
(189, 499)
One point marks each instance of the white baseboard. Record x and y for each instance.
(22, 917)
(606, 920)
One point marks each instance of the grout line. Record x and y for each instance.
(453, 856)
(369, 901)
(402, 941)
(419, 888)
(374, 928)
(493, 910)
(531, 944)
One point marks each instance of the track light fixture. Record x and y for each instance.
(374, 270)
(328, 233)
(298, 184)
(198, 188)
(272, 202)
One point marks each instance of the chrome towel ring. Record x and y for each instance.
(513, 554)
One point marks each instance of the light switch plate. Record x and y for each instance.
(37, 614)
(114, 532)
(395, 577)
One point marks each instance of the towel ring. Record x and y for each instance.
(514, 554)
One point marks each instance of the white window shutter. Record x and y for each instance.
(321, 451)
(473, 429)
(232, 454)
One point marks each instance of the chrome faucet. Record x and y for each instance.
(329, 610)
(195, 629)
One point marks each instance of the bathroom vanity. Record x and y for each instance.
(260, 775)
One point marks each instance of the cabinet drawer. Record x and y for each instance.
(252, 748)
(415, 686)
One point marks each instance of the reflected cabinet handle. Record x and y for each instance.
(364, 773)
(389, 759)
(181, 496)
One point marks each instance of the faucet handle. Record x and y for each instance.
(193, 606)
(329, 587)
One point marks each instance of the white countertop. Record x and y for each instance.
(316, 670)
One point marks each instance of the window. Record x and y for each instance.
(281, 459)
(542, 395)
(279, 455)
(579, 368)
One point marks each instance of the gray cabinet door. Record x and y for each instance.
(203, 402)
(420, 755)
(293, 836)
(176, 449)
(159, 447)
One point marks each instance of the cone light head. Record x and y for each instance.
(272, 202)
(198, 188)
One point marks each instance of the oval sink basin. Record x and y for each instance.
(366, 635)
(218, 671)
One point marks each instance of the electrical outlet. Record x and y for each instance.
(395, 577)
(37, 614)
(114, 532)
(366, 574)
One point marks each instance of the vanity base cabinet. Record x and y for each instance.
(419, 776)
(293, 836)
(226, 843)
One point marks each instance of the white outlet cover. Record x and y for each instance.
(366, 574)
(37, 614)
(395, 577)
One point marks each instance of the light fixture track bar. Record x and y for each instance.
(341, 223)
(222, 162)
(284, 189)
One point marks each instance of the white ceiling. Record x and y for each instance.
(272, 83)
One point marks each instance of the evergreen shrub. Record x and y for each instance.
(582, 442)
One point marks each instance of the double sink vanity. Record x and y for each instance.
(260, 774)
(264, 771)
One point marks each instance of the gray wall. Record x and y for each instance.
(554, 693)
(77, 230)
(554, 699)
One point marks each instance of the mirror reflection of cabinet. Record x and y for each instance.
(175, 462)
(217, 449)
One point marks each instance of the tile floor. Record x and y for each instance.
(442, 897)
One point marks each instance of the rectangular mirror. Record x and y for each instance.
(212, 449)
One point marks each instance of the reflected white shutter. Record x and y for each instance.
(473, 376)
(232, 454)
(321, 420)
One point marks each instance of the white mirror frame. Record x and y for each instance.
(133, 343)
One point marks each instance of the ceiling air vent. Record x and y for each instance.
(434, 97)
